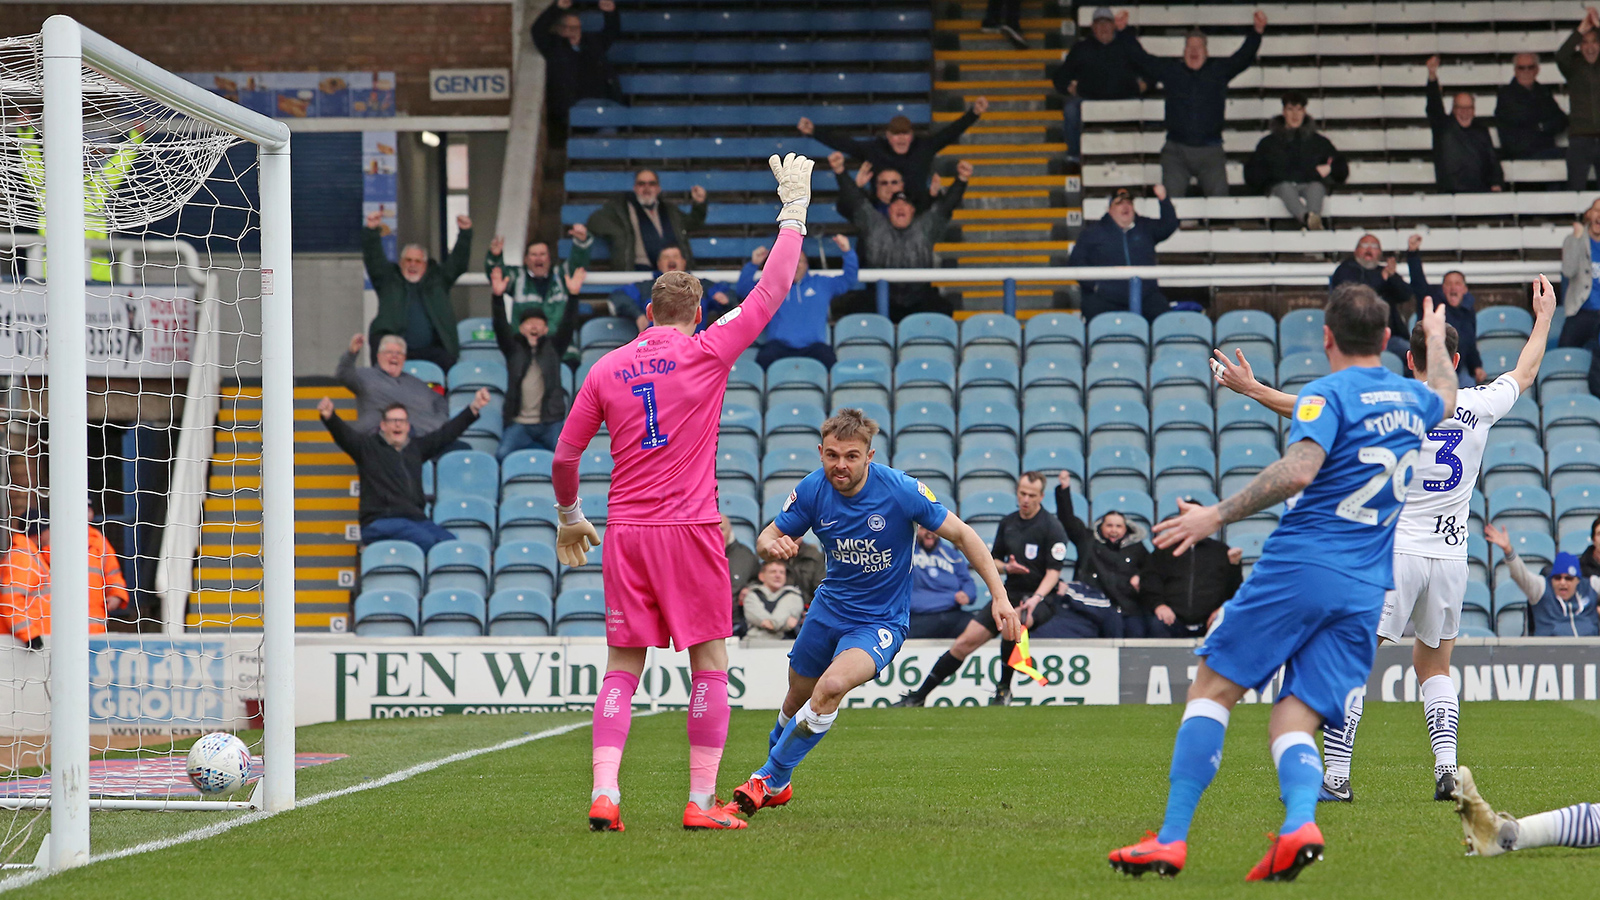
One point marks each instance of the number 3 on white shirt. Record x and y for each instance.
(1398, 472)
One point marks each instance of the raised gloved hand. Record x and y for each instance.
(794, 187)
(575, 535)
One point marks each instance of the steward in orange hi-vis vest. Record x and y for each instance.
(25, 592)
(108, 591)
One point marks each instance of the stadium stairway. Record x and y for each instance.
(228, 572)
(1016, 210)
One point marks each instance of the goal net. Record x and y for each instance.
(146, 533)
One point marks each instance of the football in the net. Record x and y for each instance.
(218, 763)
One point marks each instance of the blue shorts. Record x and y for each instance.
(822, 637)
(1320, 624)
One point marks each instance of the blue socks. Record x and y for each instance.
(1196, 755)
(1299, 778)
(777, 730)
(803, 732)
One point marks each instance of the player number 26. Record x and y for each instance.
(1397, 472)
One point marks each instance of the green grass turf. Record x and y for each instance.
(938, 802)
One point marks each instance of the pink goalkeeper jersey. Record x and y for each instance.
(661, 397)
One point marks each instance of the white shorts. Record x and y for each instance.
(1428, 593)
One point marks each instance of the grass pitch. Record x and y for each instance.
(894, 803)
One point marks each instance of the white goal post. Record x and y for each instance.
(71, 55)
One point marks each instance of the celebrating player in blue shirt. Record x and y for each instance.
(866, 517)
(1311, 604)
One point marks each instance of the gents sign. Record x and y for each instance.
(469, 84)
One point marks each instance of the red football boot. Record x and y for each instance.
(1150, 855)
(757, 794)
(604, 815)
(719, 817)
(1289, 854)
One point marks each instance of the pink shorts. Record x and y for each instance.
(666, 581)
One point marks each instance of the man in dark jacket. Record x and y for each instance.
(638, 226)
(1579, 60)
(1197, 101)
(1098, 67)
(900, 148)
(901, 239)
(1109, 558)
(1122, 238)
(1363, 268)
(389, 462)
(1296, 163)
(414, 296)
(743, 567)
(575, 65)
(1183, 593)
(1527, 114)
(1458, 311)
(535, 402)
(1464, 158)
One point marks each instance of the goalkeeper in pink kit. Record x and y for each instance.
(663, 562)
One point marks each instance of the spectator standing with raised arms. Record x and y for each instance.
(1527, 114)
(900, 148)
(378, 387)
(1464, 158)
(1580, 266)
(1197, 102)
(800, 326)
(1579, 60)
(1458, 305)
(576, 67)
(640, 225)
(1098, 67)
(414, 296)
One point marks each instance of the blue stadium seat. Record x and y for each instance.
(924, 380)
(483, 435)
(1167, 505)
(528, 517)
(1565, 371)
(738, 466)
(516, 612)
(524, 468)
(747, 384)
(476, 332)
(606, 333)
(993, 330)
(392, 565)
(995, 418)
(933, 335)
(458, 564)
(1115, 379)
(1252, 331)
(1514, 463)
(1512, 620)
(1522, 423)
(1577, 506)
(1119, 468)
(469, 473)
(1519, 508)
(1112, 422)
(1241, 420)
(386, 614)
(1573, 462)
(797, 380)
(1184, 467)
(1239, 463)
(1299, 369)
(860, 380)
(989, 379)
(1181, 422)
(452, 612)
(1046, 415)
(1046, 370)
(427, 371)
(1183, 377)
(1119, 328)
(781, 470)
(1051, 457)
(1477, 598)
(983, 470)
(1249, 543)
(595, 465)
(1185, 328)
(469, 376)
(525, 565)
(927, 425)
(1394, 364)
(744, 513)
(1300, 331)
(988, 507)
(1537, 550)
(795, 417)
(739, 428)
(1048, 328)
(469, 518)
(581, 613)
(1134, 505)
(931, 466)
(1504, 321)
(1571, 417)
(864, 336)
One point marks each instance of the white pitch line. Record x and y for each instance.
(216, 828)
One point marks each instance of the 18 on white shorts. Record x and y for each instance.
(1428, 592)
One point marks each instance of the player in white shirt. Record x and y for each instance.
(1430, 545)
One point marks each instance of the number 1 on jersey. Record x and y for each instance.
(653, 437)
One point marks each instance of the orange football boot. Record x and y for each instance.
(1289, 854)
(718, 818)
(604, 815)
(1150, 855)
(757, 794)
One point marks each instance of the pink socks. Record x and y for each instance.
(708, 734)
(613, 713)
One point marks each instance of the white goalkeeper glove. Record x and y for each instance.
(794, 187)
(575, 535)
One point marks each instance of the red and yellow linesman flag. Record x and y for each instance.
(1022, 660)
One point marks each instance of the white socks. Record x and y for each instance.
(1443, 713)
(1208, 709)
(814, 721)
